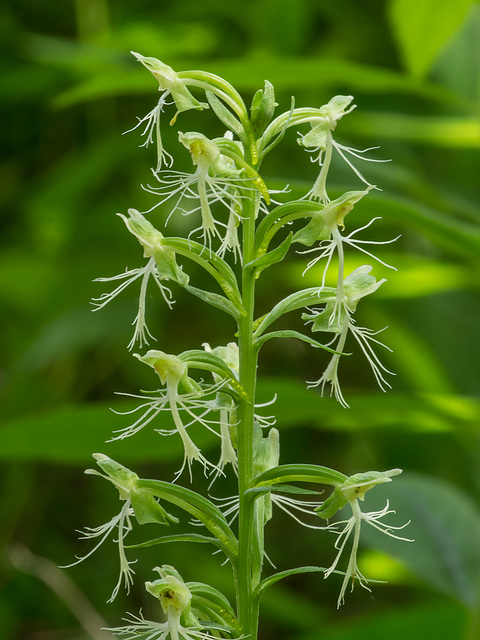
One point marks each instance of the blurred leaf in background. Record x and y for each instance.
(69, 89)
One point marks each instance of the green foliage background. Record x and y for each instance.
(69, 88)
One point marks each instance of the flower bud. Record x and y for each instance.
(263, 106)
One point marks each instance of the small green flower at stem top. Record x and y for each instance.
(170, 85)
(161, 265)
(175, 600)
(350, 492)
(137, 502)
(337, 317)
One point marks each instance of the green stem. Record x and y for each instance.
(248, 559)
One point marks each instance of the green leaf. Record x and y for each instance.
(300, 473)
(278, 218)
(225, 116)
(198, 359)
(213, 264)
(267, 582)
(423, 28)
(287, 333)
(283, 488)
(462, 132)
(272, 257)
(179, 537)
(419, 413)
(69, 435)
(445, 526)
(197, 506)
(215, 300)
(296, 300)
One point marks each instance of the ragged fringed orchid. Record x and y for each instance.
(236, 233)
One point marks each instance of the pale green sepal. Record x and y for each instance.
(314, 231)
(329, 319)
(294, 301)
(152, 242)
(263, 107)
(332, 504)
(171, 592)
(147, 510)
(145, 507)
(225, 116)
(197, 506)
(329, 217)
(356, 486)
(289, 333)
(300, 473)
(167, 266)
(216, 300)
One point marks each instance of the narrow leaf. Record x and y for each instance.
(287, 333)
(215, 300)
(180, 537)
(296, 300)
(272, 257)
(300, 473)
(225, 116)
(198, 506)
(213, 264)
(267, 582)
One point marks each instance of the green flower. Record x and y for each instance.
(161, 266)
(337, 317)
(136, 502)
(175, 599)
(171, 86)
(350, 492)
(215, 180)
(320, 140)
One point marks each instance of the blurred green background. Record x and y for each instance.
(69, 89)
